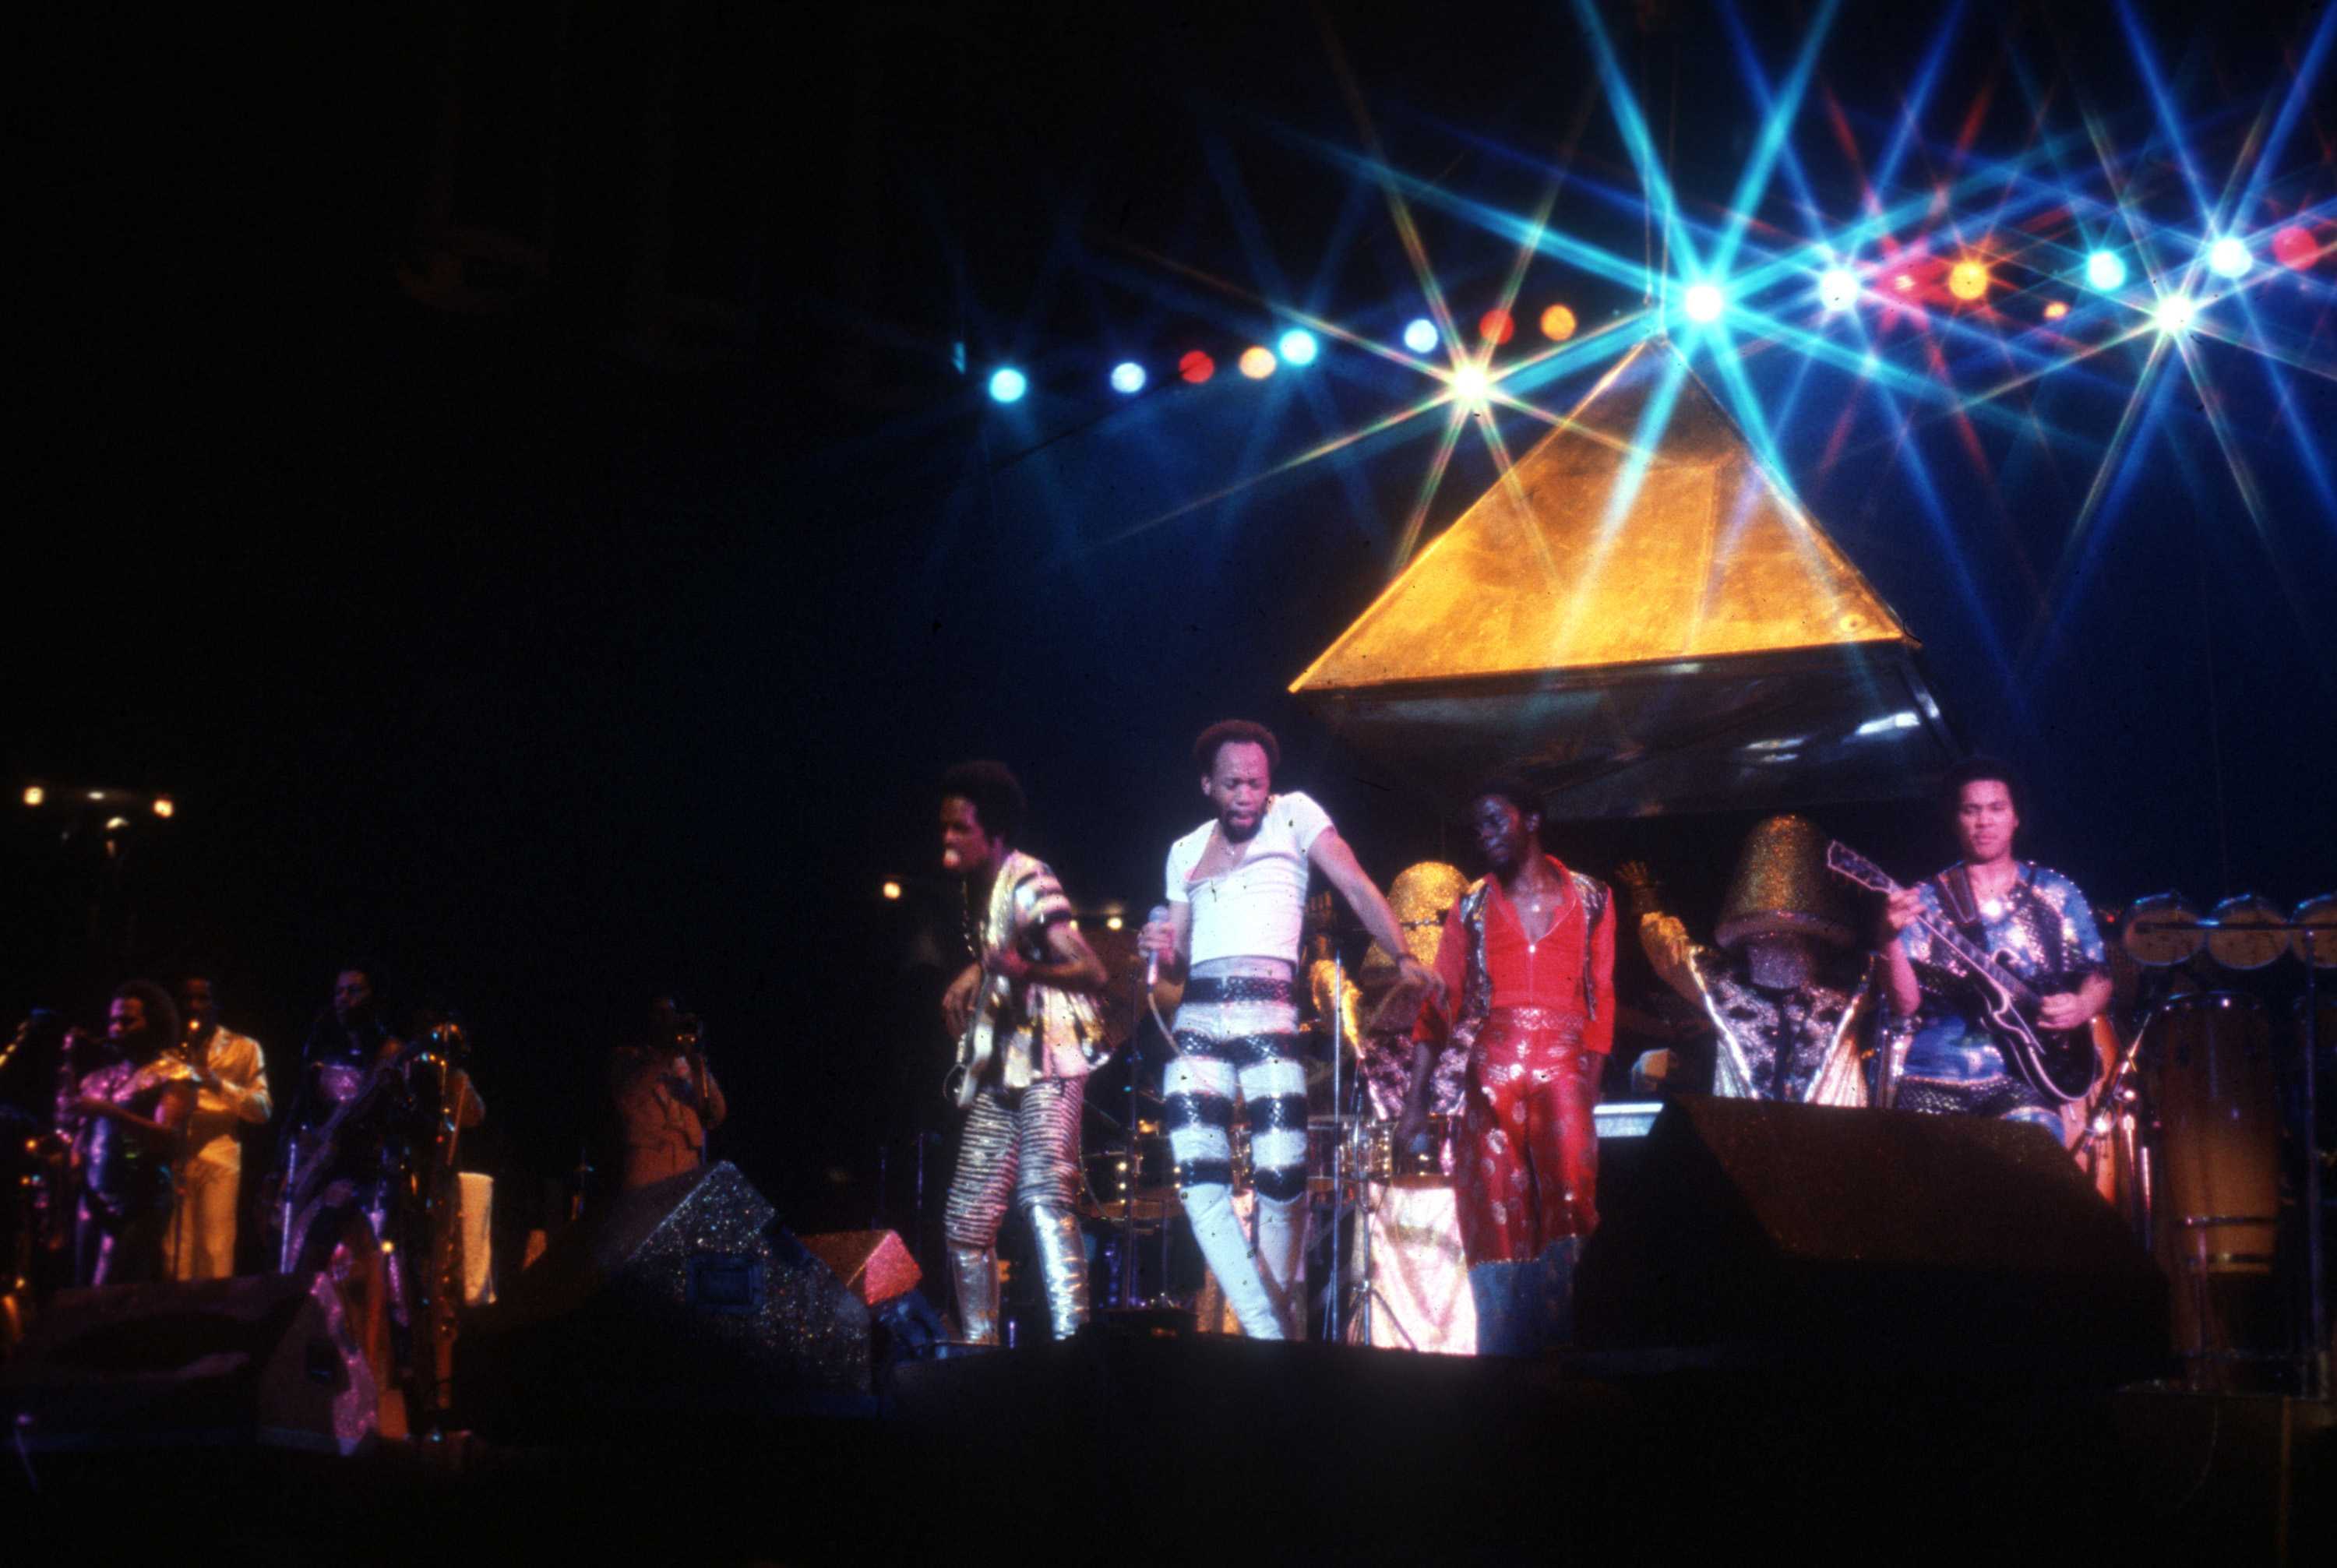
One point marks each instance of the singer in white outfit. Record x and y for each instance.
(1236, 907)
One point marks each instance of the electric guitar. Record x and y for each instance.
(994, 996)
(2060, 1063)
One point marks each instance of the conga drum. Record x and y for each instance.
(2217, 1198)
(2219, 1127)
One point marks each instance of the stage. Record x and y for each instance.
(1120, 1446)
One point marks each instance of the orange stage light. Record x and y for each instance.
(1967, 279)
(1258, 363)
(1558, 323)
(164, 806)
(2057, 309)
(34, 794)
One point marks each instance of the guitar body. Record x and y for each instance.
(979, 1045)
(2060, 1063)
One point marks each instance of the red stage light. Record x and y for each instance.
(2294, 248)
(1496, 327)
(1558, 323)
(1196, 367)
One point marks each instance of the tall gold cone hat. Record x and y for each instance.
(1421, 896)
(1781, 887)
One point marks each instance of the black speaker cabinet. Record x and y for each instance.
(682, 1302)
(1872, 1236)
(265, 1359)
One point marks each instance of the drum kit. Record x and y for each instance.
(2207, 1117)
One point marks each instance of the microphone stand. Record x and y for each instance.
(1132, 1172)
(1338, 1141)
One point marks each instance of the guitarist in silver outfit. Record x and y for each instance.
(1027, 997)
(2034, 922)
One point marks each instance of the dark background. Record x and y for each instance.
(601, 627)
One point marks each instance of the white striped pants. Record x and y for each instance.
(1247, 1050)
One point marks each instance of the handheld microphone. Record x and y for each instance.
(1160, 916)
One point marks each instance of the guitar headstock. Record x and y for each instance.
(1848, 862)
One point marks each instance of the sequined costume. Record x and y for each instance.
(1021, 1138)
(370, 1195)
(200, 1241)
(1237, 1041)
(1789, 1031)
(342, 1143)
(1538, 1018)
(2042, 932)
(126, 1179)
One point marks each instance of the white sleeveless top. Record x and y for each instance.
(1257, 909)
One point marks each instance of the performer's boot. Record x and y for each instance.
(975, 1270)
(1553, 1283)
(1225, 1245)
(1282, 1260)
(1505, 1320)
(1062, 1267)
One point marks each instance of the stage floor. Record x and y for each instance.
(1122, 1448)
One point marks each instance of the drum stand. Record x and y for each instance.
(2113, 1119)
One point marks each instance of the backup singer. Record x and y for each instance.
(2035, 920)
(1021, 1140)
(231, 1082)
(1236, 907)
(1529, 956)
(1783, 986)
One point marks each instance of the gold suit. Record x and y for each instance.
(200, 1241)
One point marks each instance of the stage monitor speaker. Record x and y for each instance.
(266, 1358)
(875, 1265)
(1883, 1236)
(681, 1302)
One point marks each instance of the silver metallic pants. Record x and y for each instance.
(1021, 1147)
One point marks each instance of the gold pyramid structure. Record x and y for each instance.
(1647, 627)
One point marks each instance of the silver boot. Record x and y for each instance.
(1062, 1268)
(975, 1272)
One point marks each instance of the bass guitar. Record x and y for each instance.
(993, 1000)
(2060, 1063)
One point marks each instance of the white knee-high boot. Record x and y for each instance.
(1281, 1260)
(1225, 1244)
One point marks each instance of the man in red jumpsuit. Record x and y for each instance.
(1528, 960)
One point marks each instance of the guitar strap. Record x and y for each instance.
(1962, 906)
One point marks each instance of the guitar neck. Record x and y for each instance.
(1860, 870)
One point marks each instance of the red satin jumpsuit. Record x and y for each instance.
(1538, 1018)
